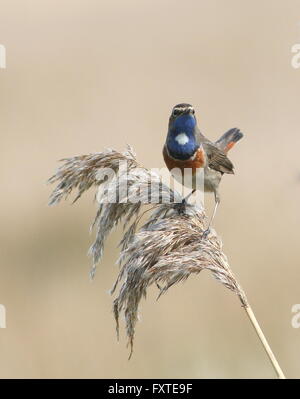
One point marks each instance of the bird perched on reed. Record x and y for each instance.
(186, 148)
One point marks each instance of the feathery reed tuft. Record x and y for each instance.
(165, 250)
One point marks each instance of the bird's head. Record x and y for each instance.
(182, 115)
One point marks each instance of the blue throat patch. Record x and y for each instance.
(183, 124)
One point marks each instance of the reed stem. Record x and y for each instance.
(264, 342)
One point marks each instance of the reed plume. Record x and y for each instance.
(164, 250)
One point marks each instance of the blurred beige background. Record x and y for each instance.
(85, 75)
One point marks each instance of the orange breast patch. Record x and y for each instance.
(196, 162)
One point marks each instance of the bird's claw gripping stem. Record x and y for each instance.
(181, 207)
(206, 233)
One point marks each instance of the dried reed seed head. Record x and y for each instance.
(165, 250)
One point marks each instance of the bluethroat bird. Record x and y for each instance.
(186, 148)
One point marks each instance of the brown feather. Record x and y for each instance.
(217, 159)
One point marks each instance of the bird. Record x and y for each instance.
(186, 148)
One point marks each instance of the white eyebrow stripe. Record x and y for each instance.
(182, 138)
(181, 109)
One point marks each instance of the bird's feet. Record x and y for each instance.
(206, 233)
(181, 207)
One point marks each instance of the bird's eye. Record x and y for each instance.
(176, 112)
(192, 111)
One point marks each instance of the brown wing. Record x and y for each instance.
(217, 159)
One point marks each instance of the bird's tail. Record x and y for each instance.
(228, 140)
